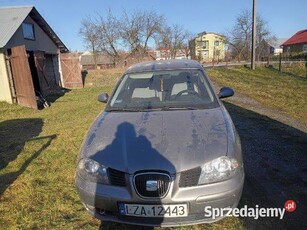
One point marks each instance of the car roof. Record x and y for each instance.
(164, 65)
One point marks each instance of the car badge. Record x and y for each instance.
(151, 185)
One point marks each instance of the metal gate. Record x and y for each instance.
(22, 77)
(71, 71)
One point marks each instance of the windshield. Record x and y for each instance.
(174, 89)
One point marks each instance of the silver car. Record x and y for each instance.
(163, 150)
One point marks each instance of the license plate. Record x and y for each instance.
(172, 210)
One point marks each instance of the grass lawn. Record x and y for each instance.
(284, 92)
(38, 153)
(38, 149)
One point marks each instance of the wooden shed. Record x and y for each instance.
(30, 58)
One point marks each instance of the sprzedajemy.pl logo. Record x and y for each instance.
(254, 212)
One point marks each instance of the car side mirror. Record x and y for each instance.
(103, 97)
(226, 92)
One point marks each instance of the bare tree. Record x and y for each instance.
(107, 30)
(264, 37)
(130, 29)
(173, 38)
(133, 32)
(240, 36)
(152, 26)
(138, 28)
(89, 35)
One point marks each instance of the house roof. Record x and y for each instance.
(204, 33)
(277, 42)
(88, 59)
(299, 37)
(12, 17)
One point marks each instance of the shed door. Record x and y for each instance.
(71, 71)
(22, 77)
(40, 64)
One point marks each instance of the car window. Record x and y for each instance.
(163, 89)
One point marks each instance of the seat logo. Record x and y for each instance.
(151, 185)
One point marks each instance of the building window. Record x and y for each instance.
(288, 49)
(216, 43)
(305, 48)
(200, 43)
(28, 31)
(203, 44)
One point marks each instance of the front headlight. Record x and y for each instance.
(219, 169)
(92, 171)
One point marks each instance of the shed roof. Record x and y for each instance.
(299, 37)
(12, 17)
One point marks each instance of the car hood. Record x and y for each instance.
(171, 141)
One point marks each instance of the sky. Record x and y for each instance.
(284, 17)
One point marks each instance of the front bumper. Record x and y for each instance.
(101, 201)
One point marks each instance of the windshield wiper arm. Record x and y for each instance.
(179, 108)
(124, 110)
(164, 108)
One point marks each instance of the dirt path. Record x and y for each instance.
(257, 107)
(275, 157)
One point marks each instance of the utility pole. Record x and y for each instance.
(253, 36)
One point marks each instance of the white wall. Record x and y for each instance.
(5, 92)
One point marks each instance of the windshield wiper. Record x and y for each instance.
(146, 109)
(124, 110)
(179, 108)
(168, 108)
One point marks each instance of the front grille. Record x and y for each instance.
(162, 182)
(190, 177)
(116, 177)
